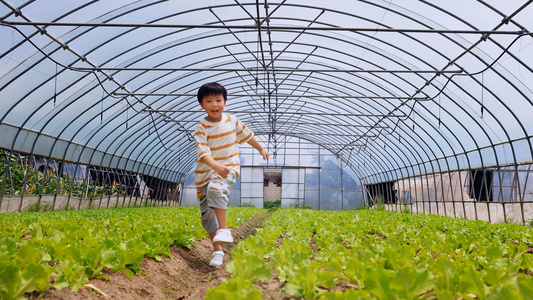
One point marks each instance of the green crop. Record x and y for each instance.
(69, 248)
(387, 255)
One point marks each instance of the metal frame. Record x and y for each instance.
(294, 80)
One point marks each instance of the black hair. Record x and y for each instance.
(212, 88)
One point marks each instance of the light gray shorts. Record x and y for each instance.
(214, 194)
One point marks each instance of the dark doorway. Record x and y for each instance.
(384, 191)
(481, 185)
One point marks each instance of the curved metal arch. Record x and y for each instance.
(466, 111)
(475, 120)
(324, 118)
(464, 150)
(378, 152)
(90, 161)
(205, 59)
(414, 154)
(362, 171)
(510, 83)
(93, 117)
(318, 96)
(130, 141)
(319, 89)
(479, 58)
(505, 20)
(186, 161)
(466, 156)
(488, 136)
(50, 99)
(420, 147)
(326, 145)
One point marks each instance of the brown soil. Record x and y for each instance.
(186, 275)
(272, 288)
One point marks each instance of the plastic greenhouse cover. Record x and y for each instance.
(389, 87)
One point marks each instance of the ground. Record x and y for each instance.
(186, 275)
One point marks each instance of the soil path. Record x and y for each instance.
(186, 275)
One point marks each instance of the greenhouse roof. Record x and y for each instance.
(392, 88)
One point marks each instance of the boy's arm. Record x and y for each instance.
(254, 143)
(220, 169)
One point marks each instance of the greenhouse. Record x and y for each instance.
(266, 150)
(423, 106)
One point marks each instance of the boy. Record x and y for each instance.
(217, 137)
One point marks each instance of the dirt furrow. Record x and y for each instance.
(186, 275)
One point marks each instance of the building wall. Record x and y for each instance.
(449, 194)
(272, 192)
(439, 187)
(311, 176)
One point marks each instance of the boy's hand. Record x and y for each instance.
(221, 170)
(254, 143)
(265, 154)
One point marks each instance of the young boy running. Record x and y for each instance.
(217, 137)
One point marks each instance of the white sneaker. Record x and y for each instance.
(223, 236)
(216, 259)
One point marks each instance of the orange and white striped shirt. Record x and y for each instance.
(220, 140)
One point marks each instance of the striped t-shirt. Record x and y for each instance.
(220, 140)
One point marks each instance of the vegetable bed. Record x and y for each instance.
(382, 255)
(63, 249)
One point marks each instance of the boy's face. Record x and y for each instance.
(213, 106)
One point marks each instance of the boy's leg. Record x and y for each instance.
(216, 247)
(214, 200)
(208, 216)
(221, 217)
(218, 197)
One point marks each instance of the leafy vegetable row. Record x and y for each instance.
(68, 248)
(383, 255)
